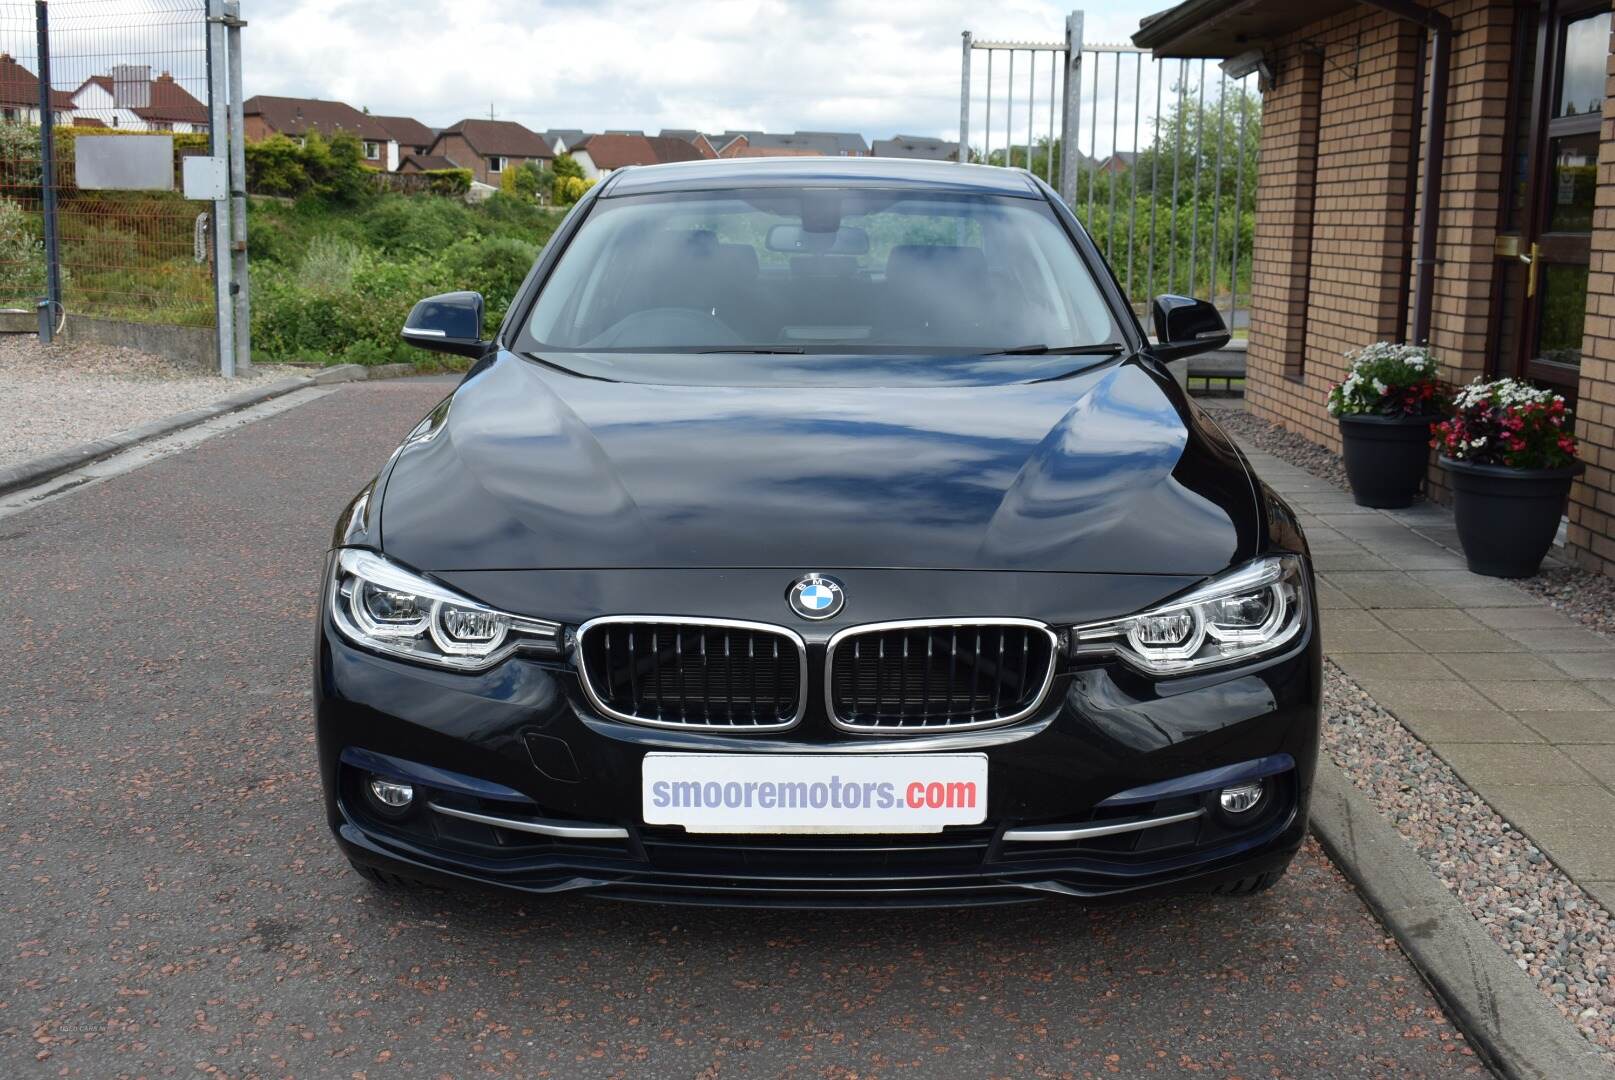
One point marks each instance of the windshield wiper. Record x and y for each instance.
(1109, 348)
(761, 349)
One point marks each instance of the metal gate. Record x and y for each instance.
(80, 233)
(1156, 157)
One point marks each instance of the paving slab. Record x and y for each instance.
(1599, 761)
(1484, 725)
(1397, 694)
(1464, 639)
(1557, 639)
(1383, 640)
(1407, 664)
(1542, 696)
(1571, 728)
(1505, 666)
(1584, 665)
(1527, 618)
(1503, 763)
(1568, 821)
(1403, 619)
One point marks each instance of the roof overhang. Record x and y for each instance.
(1221, 28)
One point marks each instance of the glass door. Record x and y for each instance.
(1561, 178)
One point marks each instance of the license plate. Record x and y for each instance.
(815, 793)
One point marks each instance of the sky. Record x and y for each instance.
(877, 68)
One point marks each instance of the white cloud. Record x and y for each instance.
(778, 65)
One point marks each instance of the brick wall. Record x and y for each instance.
(1592, 500)
(1331, 218)
(1333, 249)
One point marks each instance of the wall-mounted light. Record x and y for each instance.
(1237, 67)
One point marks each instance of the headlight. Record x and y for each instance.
(1253, 609)
(380, 605)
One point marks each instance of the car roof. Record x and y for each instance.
(730, 173)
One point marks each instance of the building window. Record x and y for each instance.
(496, 163)
(372, 150)
(9, 115)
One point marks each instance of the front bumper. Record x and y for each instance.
(519, 742)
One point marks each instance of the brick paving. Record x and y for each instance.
(1516, 697)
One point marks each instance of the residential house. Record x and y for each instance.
(489, 147)
(1515, 279)
(296, 118)
(561, 140)
(702, 143)
(598, 155)
(793, 144)
(419, 163)
(409, 136)
(139, 104)
(1118, 162)
(824, 143)
(19, 95)
(915, 146)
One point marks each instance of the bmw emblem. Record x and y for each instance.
(816, 596)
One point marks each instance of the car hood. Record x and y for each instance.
(1101, 471)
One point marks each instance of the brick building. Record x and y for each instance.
(1519, 278)
(489, 147)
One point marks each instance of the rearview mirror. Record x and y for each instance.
(795, 240)
(448, 322)
(1185, 327)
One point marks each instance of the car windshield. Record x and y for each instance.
(841, 270)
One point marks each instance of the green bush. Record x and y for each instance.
(335, 285)
(495, 268)
(448, 181)
(333, 170)
(329, 265)
(402, 224)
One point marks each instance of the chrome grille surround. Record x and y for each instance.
(676, 624)
(1038, 634)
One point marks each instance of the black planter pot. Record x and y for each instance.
(1386, 457)
(1507, 517)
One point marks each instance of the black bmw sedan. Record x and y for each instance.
(819, 532)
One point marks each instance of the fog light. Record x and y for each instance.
(1241, 797)
(390, 793)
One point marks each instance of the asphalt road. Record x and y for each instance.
(171, 902)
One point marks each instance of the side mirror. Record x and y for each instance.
(1184, 327)
(449, 322)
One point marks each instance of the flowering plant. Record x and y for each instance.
(1387, 379)
(1507, 422)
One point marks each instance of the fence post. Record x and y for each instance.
(52, 302)
(1072, 110)
(238, 193)
(218, 133)
(964, 102)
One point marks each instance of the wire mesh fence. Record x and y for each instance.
(1163, 155)
(130, 68)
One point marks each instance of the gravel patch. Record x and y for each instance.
(1583, 595)
(1282, 443)
(63, 394)
(1557, 934)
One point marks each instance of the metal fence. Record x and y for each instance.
(73, 240)
(1156, 157)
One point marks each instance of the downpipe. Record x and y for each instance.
(1439, 28)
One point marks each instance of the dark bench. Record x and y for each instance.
(1226, 365)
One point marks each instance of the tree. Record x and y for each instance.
(566, 166)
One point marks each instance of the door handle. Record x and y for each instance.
(1530, 260)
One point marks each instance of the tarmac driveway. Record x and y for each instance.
(171, 901)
